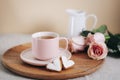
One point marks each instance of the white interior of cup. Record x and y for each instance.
(39, 34)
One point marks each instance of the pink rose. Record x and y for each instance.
(97, 37)
(97, 50)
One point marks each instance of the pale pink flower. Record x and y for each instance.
(97, 37)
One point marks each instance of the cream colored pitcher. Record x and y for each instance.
(78, 21)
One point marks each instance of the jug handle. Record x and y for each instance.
(95, 20)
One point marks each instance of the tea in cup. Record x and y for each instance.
(45, 45)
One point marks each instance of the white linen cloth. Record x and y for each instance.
(110, 70)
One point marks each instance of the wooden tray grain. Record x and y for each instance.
(83, 65)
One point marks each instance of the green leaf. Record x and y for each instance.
(102, 29)
(114, 53)
(117, 35)
(113, 45)
(85, 33)
(107, 37)
(114, 41)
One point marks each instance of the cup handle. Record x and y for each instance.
(66, 42)
(95, 20)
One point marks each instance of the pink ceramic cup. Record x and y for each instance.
(45, 45)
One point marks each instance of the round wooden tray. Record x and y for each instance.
(83, 65)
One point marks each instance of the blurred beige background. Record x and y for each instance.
(29, 16)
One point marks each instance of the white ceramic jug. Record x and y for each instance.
(78, 22)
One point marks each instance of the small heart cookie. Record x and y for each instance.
(55, 65)
(66, 62)
(59, 63)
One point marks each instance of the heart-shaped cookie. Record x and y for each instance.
(66, 62)
(55, 65)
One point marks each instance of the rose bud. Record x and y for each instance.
(97, 37)
(97, 50)
(77, 43)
